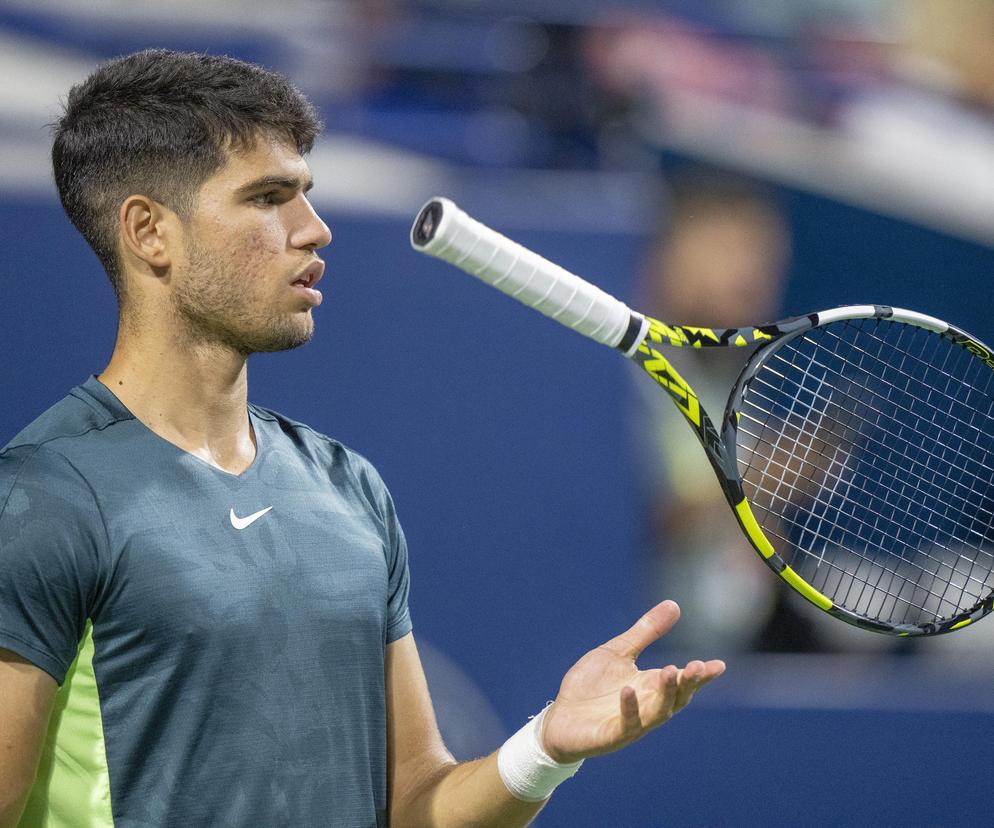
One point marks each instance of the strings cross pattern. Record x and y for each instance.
(866, 448)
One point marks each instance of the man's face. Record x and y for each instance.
(245, 280)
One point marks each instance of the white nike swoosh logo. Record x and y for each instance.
(241, 523)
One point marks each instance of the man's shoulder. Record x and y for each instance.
(36, 456)
(75, 415)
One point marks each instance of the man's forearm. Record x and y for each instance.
(464, 794)
(12, 807)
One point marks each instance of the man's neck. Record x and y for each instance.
(195, 397)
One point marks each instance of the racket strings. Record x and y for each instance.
(816, 533)
(889, 402)
(869, 461)
(908, 443)
(904, 452)
(874, 457)
(942, 412)
(861, 571)
(975, 367)
(796, 494)
(833, 492)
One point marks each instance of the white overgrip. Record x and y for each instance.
(446, 232)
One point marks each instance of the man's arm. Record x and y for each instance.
(427, 786)
(604, 703)
(26, 695)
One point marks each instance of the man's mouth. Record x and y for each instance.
(311, 276)
(306, 281)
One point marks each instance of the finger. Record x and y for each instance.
(713, 668)
(687, 683)
(693, 677)
(656, 691)
(663, 696)
(649, 628)
(631, 721)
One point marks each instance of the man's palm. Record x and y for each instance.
(605, 702)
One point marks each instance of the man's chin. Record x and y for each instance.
(284, 340)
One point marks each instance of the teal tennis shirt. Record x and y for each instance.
(219, 639)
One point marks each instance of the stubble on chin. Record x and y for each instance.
(233, 332)
(217, 310)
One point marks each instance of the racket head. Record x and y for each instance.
(864, 448)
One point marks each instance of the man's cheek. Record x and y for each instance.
(260, 248)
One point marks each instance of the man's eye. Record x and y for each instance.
(265, 198)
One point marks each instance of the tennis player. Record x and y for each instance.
(203, 604)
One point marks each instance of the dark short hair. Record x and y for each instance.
(160, 123)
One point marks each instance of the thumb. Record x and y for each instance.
(649, 628)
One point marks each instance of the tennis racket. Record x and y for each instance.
(856, 448)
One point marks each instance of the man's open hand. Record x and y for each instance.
(605, 702)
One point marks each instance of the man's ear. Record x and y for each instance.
(146, 231)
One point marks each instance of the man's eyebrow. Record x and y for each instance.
(288, 181)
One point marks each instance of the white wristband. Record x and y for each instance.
(529, 773)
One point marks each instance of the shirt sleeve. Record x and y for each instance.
(399, 584)
(395, 544)
(51, 537)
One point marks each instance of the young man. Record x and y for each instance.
(203, 605)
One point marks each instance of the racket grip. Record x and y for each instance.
(446, 232)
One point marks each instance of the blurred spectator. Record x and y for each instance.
(719, 261)
(892, 112)
(931, 119)
(950, 43)
(666, 59)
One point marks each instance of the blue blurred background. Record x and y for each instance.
(866, 125)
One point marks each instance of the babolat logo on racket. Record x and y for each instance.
(679, 335)
(659, 368)
(695, 337)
